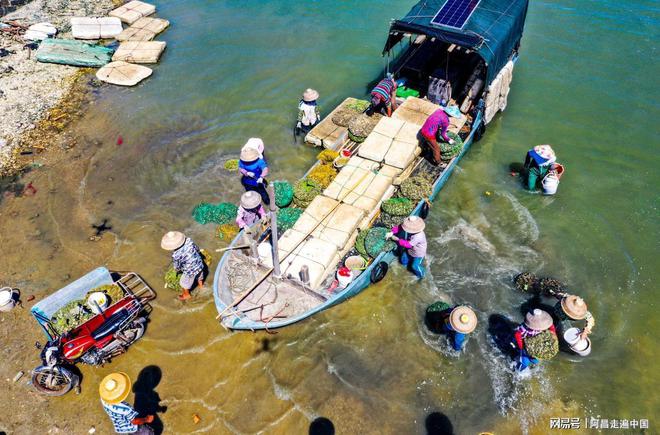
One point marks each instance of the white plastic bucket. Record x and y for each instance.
(550, 184)
(7, 300)
(265, 252)
(97, 302)
(577, 344)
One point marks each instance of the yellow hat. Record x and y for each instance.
(463, 319)
(115, 387)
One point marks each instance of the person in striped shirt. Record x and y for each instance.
(114, 390)
(383, 97)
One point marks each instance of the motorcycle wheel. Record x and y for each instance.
(53, 381)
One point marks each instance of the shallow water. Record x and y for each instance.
(584, 83)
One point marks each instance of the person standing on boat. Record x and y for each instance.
(383, 97)
(573, 308)
(412, 242)
(459, 322)
(535, 323)
(434, 129)
(308, 111)
(254, 170)
(187, 259)
(114, 390)
(250, 211)
(538, 161)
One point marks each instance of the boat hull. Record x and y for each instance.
(242, 322)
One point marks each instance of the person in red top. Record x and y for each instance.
(535, 322)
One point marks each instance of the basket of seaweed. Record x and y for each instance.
(304, 191)
(542, 346)
(360, 126)
(395, 210)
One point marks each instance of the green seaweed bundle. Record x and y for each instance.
(416, 188)
(220, 214)
(438, 307)
(542, 346)
(231, 165)
(227, 232)
(526, 282)
(448, 151)
(375, 242)
(398, 206)
(113, 291)
(323, 174)
(359, 242)
(287, 217)
(327, 156)
(304, 191)
(283, 193)
(358, 105)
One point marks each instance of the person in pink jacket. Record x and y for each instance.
(412, 241)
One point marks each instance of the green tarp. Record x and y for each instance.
(75, 53)
(493, 30)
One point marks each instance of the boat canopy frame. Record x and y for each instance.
(493, 30)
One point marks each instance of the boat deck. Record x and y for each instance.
(272, 299)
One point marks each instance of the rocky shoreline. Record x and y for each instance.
(37, 100)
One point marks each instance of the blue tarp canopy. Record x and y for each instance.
(493, 30)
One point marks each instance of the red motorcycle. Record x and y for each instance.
(104, 336)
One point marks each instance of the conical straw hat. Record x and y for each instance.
(574, 307)
(463, 319)
(538, 320)
(172, 240)
(310, 95)
(249, 154)
(250, 200)
(115, 387)
(413, 225)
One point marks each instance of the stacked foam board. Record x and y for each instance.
(144, 29)
(139, 51)
(133, 11)
(95, 28)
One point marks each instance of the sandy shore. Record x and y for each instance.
(30, 90)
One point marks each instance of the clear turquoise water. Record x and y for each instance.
(586, 83)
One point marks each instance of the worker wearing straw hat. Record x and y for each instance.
(459, 322)
(250, 211)
(114, 389)
(308, 111)
(538, 161)
(254, 170)
(535, 323)
(187, 259)
(571, 307)
(412, 243)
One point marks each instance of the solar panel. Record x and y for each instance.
(455, 13)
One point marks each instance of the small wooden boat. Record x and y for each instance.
(249, 294)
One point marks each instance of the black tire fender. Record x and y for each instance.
(378, 272)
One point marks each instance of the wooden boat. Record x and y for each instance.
(247, 294)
